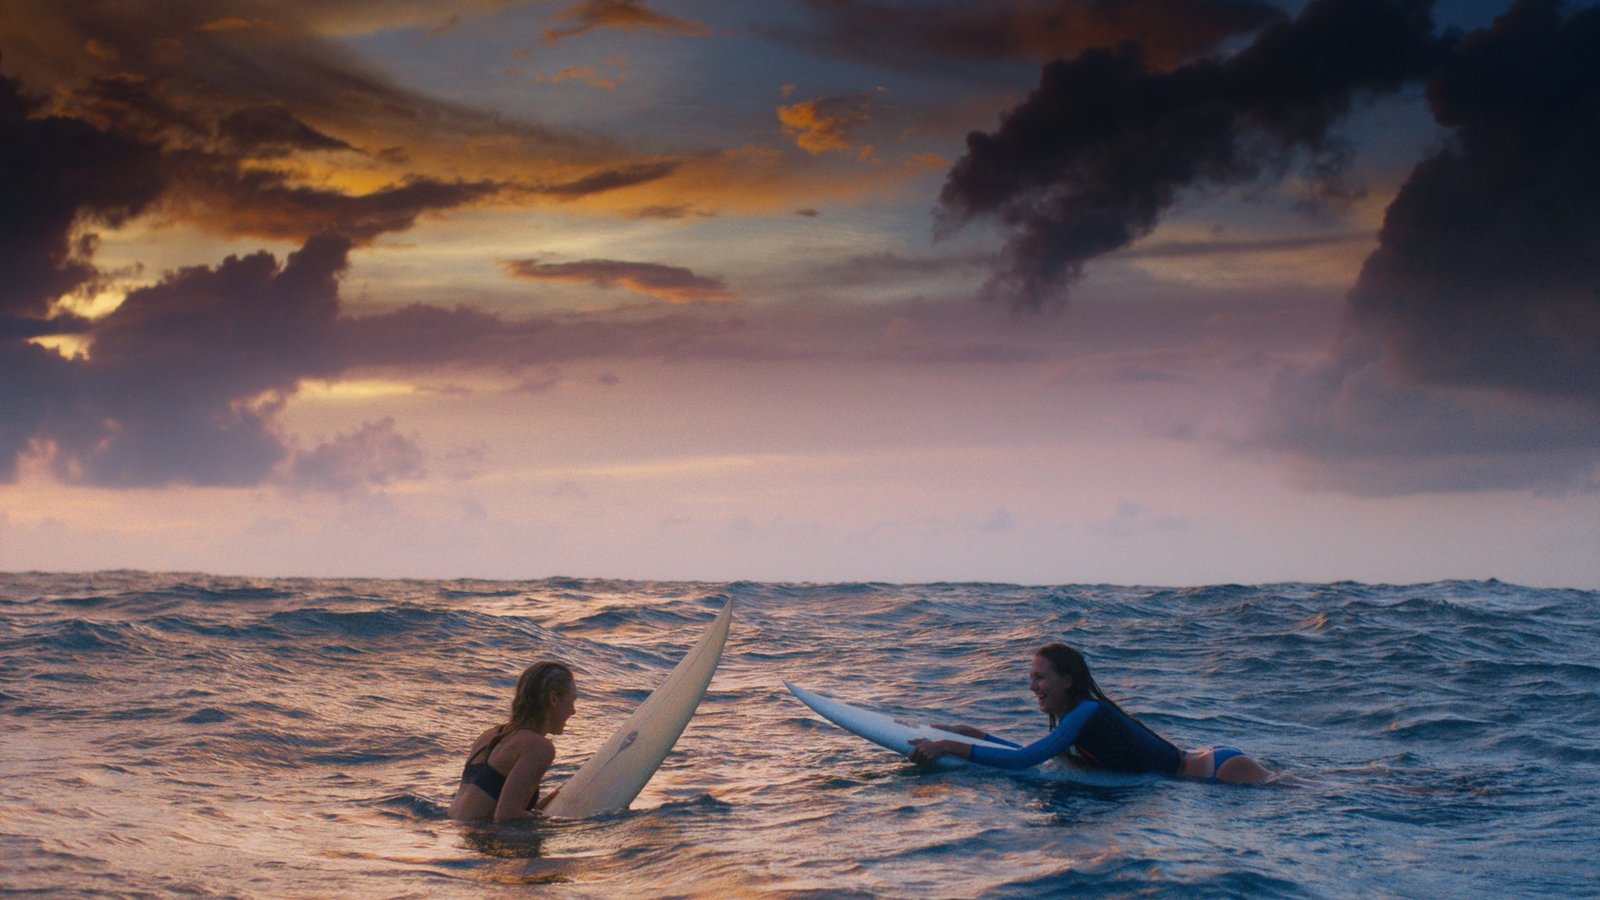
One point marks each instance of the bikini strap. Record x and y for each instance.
(487, 749)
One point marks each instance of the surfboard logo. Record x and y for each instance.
(626, 743)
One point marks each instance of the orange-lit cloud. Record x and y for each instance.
(673, 284)
(824, 124)
(279, 132)
(586, 74)
(631, 15)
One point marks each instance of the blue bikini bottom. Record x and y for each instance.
(1220, 755)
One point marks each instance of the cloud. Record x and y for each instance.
(256, 123)
(196, 75)
(232, 199)
(674, 284)
(928, 37)
(272, 130)
(1101, 149)
(586, 74)
(1469, 358)
(130, 143)
(1132, 519)
(185, 377)
(609, 180)
(1352, 425)
(184, 383)
(824, 124)
(1487, 272)
(374, 455)
(58, 174)
(631, 15)
(264, 115)
(418, 334)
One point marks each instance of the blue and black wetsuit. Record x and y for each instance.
(486, 777)
(1098, 733)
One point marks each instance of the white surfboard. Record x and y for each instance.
(883, 729)
(619, 770)
(896, 734)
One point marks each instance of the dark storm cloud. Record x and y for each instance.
(1487, 272)
(37, 385)
(928, 37)
(1470, 354)
(57, 173)
(184, 377)
(1102, 148)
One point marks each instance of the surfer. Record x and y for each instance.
(506, 764)
(1088, 729)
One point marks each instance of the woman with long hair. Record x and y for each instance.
(1090, 730)
(501, 778)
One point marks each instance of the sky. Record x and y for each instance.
(1159, 292)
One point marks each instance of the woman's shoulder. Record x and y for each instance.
(527, 739)
(523, 744)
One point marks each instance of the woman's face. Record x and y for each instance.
(562, 705)
(1050, 686)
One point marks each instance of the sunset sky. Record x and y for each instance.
(1133, 291)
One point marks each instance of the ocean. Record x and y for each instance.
(184, 734)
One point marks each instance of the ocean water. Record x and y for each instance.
(195, 735)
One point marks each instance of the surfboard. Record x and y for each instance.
(619, 770)
(881, 728)
(896, 733)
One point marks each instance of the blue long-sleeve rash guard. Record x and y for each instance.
(1103, 735)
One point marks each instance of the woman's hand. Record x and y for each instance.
(924, 751)
(545, 800)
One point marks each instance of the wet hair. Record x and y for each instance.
(1069, 662)
(539, 682)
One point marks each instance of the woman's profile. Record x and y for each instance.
(507, 763)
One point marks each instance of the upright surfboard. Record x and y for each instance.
(619, 769)
(880, 728)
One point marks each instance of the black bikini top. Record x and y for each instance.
(486, 777)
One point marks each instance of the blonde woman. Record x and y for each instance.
(501, 778)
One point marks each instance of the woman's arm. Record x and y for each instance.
(1053, 744)
(971, 732)
(1012, 757)
(534, 755)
